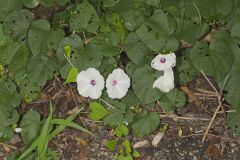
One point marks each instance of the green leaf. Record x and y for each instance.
(68, 123)
(72, 75)
(214, 60)
(233, 119)
(84, 17)
(126, 144)
(110, 3)
(145, 123)
(111, 145)
(42, 143)
(89, 56)
(121, 130)
(30, 3)
(37, 35)
(75, 42)
(97, 111)
(123, 157)
(107, 43)
(8, 6)
(157, 32)
(142, 86)
(136, 154)
(185, 71)
(136, 50)
(214, 9)
(175, 98)
(43, 39)
(116, 117)
(40, 69)
(6, 134)
(9, 98)
(17, 23)
(31, 125)
(68, 51)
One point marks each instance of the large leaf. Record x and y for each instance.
(41, 38)
(97, 111)
(214, 60)
(40, 69)
(9, 98)
(31, 126)
(175, 98)
(143, 87)
(75, 42)
(157, 32)
(234, 121)
(136, 50)
(145, 123)
(8, 6)
(17, 23)
(84, 17)
(15, 57)
(30, 3)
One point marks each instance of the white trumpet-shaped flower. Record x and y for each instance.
(117, 84)
(90, 83)
(165, 83)
(18, 130)
(164, 62)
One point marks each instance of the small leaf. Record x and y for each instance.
(145, 123)
(121, 130)
(31, 126)
(72, 75)
(97, 111)
(175, 98)
(111, 145)
(136, 154)
(126, 144)
(68, 51)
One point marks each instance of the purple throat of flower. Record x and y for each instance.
(162, 60)
(114, 82)
(93, 82)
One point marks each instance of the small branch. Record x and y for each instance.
(7, 145)
(173, 116)
(109, 105)
(220, 100)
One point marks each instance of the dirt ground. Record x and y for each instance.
(193, 119)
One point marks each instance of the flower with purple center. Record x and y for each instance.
(165, 83)
(164, 62)
(90, 83)
(117, 84)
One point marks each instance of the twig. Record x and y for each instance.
(175, 117)
(220, 100)
(216, 91)
(7, 145)
(109, 105)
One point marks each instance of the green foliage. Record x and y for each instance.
(175, 98)
(97, 111)
(145, 123)
(31, 124)
(114, 33)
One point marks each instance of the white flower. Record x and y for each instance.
(164, 62)
(90, 83)
(18, 130)
(117, 84)
(165, 83)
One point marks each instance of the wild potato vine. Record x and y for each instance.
(110, 34)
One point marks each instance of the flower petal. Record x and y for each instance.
(85, 88)
(164, 62)
(120, 89)
(165, 83)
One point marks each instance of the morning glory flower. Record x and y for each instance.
(90, 83)
(165, 83)
(117, 84)
(163, 62)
